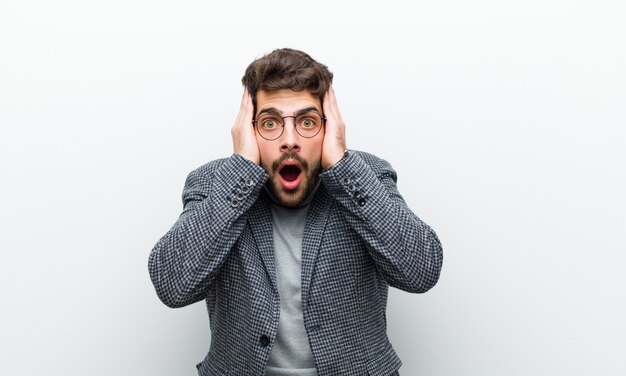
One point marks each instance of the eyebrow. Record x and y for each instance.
(275, 111)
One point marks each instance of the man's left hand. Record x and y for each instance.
(334, 146)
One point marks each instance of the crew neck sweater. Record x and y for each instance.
(291, 353)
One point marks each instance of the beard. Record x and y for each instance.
(292, 197)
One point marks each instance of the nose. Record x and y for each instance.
(290, 138)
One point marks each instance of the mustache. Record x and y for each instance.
(290, 155)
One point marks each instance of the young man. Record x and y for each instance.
(293, 239)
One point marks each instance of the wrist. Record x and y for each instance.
(336, 160)
(254, 158)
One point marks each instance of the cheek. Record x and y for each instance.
(315, 149)
(264, 148)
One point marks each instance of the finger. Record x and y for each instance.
(325, 103)
(244, 97)
(242, 108)
(333, 102)
(327, 106)
(248, 110)
(331, 108)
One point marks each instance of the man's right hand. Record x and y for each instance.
(244, 139)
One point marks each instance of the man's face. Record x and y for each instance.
(291, 161)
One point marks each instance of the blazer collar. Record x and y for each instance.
(314, 230)
(260, 220)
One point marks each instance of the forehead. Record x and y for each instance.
(286, 100)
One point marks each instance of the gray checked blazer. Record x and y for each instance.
(360, 237)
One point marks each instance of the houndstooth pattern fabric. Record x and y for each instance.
(359, 237)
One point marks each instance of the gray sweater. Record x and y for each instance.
(291, 353)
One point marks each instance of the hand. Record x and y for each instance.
(244, 139)
(334, 145)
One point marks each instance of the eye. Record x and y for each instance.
(269, 124)
(307, 123)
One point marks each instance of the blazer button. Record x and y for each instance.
(361, 201)
(265, 340)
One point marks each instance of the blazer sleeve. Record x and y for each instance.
(406, 251)
(216, 197)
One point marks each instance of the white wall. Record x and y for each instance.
(505, 121)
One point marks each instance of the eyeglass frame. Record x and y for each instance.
(295, 125)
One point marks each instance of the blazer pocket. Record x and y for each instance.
(385, 364)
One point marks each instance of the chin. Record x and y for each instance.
(292, 197)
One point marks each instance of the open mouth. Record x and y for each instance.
(290, 172)
(290, 176)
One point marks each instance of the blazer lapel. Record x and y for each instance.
(314, 229)
(260, 220)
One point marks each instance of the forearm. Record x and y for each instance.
(186, 259)
(406, 250)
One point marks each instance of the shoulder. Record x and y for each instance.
(368, 158)
(208, 169)
(228, 169)
(202, 176)
(379, 165)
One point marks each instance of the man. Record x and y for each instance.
(293, 240)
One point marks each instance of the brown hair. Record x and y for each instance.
(286, 68)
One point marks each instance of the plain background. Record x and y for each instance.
(504, 120)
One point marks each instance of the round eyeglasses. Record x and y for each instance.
(272, 126)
